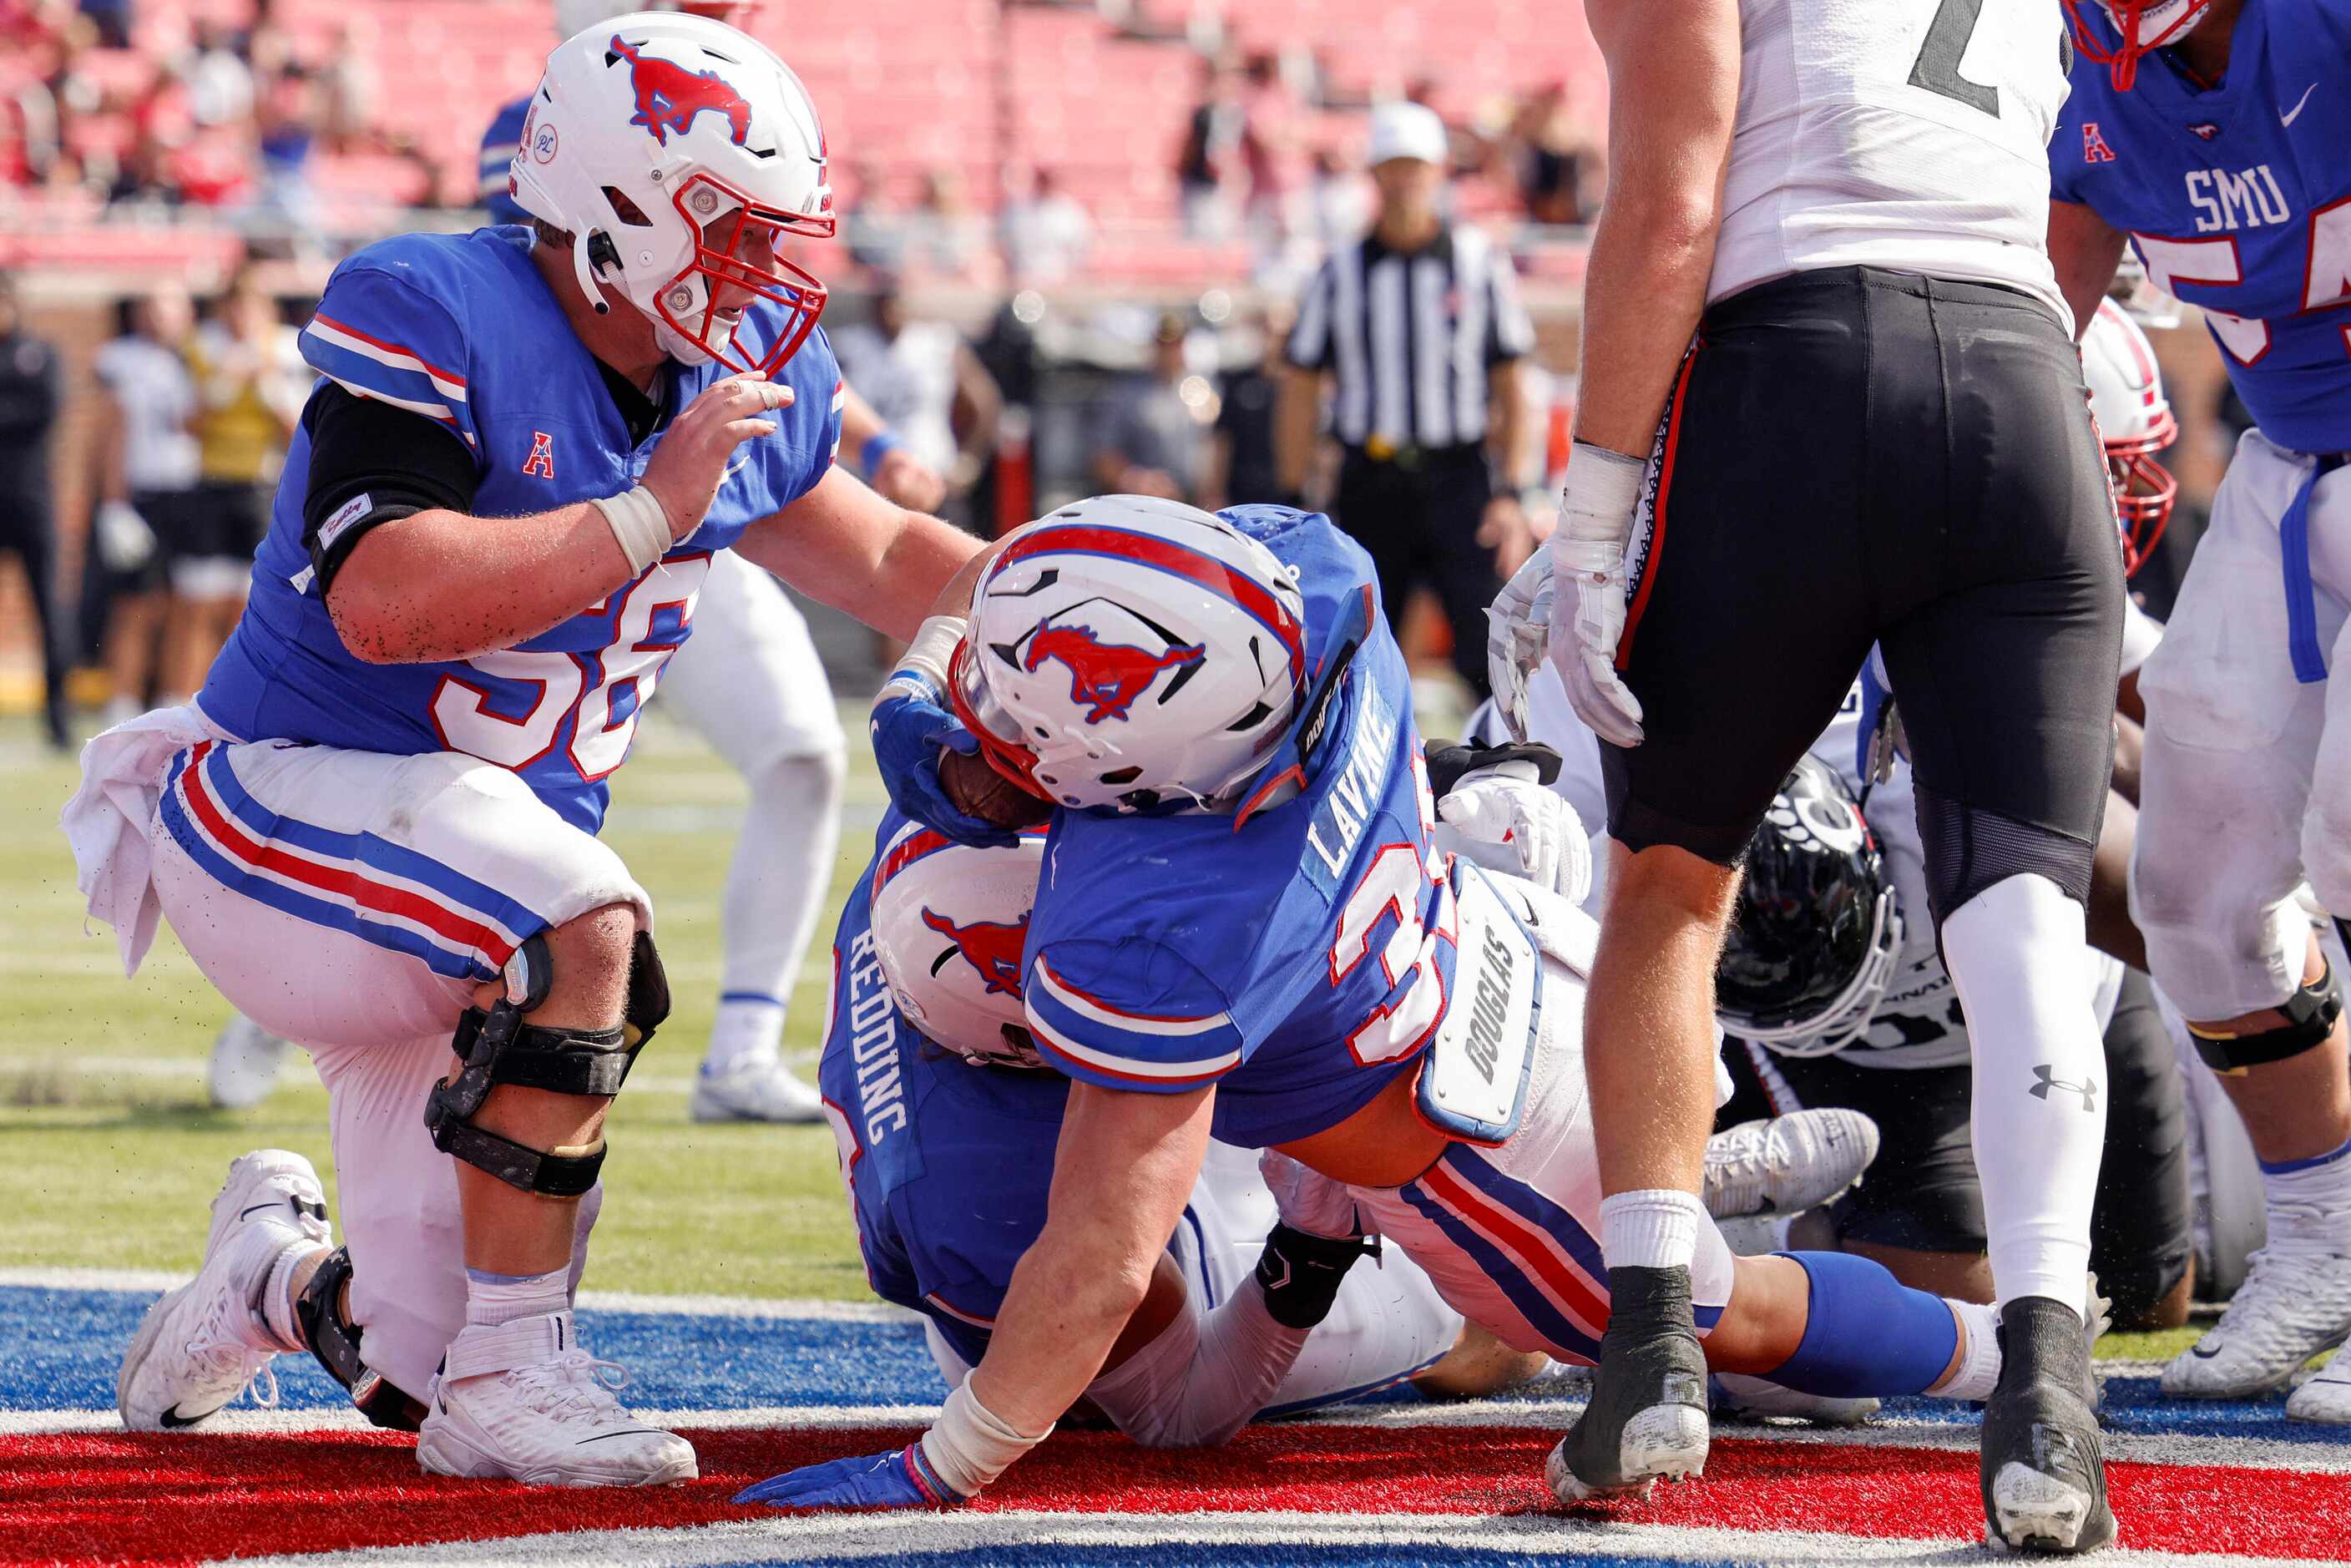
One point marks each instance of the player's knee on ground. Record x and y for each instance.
(322, 1312)
(1478, 1366)
(538, 1065)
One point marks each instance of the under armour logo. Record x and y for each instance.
(2088, 1089)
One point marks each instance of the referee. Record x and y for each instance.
(1417, 329)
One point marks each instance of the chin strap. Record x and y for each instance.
(583, 267)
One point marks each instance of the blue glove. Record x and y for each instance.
(910, 727)
(899, 1479)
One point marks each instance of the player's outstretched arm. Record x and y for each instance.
(1122, 1174)
(843, 545)
(2084, 249)
(439, 584)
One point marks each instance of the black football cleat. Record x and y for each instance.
(2043, 1469)
(1647, 1414)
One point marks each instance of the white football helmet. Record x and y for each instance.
(950, 922)
(1128, 654)
(2135, 422)
(681, 156)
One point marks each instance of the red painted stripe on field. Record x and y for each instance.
(167, 1498)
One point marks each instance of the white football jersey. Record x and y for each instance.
(1906, 134)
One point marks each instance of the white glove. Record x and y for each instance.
(1507, 807)
(1309, 1201)
(1518, 629)
(125, 542)
(1587, 608)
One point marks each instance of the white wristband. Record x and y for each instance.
(1602, 493)
(968, 1446)
(639, 527)
(934, 644)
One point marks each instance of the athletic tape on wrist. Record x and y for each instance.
(935, 643)
(968, 1446)
(639, 527)
(1602, 493)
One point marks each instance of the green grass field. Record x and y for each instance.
(109, 1151)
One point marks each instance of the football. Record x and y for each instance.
(983, 792)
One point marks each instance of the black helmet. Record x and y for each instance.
(1816, 932)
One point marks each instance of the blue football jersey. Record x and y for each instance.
(947, 1165)
(462, 329)
(1299, 956)
(499, 144)
(2238, 198)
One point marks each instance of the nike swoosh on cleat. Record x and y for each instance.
(2288, 115)
(172, 1421)
(631, 1432)
(2200, 1353)
(258, 1208)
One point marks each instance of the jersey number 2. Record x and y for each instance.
(1937, 67)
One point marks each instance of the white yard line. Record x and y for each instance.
(1256, 1536)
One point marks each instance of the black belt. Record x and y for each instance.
(1409, 456)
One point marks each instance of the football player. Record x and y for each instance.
(1244, 927)
(2213, 137)
(948, 1168)
(1833, 990)
(751, 683)
(376, 828)
(1849, 201)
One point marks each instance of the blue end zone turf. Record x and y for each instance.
(59, 1351)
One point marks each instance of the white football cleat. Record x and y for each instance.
(522, 1400)
(204, 1344)
(1797, 1161)
(2294, 1303)
(761, 1088)
(2326, 1398)
(244, 1064)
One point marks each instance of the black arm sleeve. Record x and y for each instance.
(387, 462)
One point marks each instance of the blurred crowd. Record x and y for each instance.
(218, 116)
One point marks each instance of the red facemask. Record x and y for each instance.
(2128, 19)
(2144, 491)
(972, 705)
(731, 260)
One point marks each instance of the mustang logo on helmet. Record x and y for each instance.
(670, 97)
(1108, 676)
(993, 949)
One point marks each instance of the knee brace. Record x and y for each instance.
(497, 1047)
(1968, 848)
(2310, 1015)
(318, 1313)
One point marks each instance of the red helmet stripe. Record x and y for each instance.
(1180, 560)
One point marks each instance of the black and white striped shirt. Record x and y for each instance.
(1411, 336)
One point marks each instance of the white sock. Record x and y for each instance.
(1979, 1359)
(748, 1027)
(776, 888)
(1657, 1227)
(2315, 1190)
(276, 1312)
(2021, 965)
(494, 1299)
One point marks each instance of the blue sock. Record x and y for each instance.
(1869, 1336)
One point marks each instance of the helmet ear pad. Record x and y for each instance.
(1816, 933)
